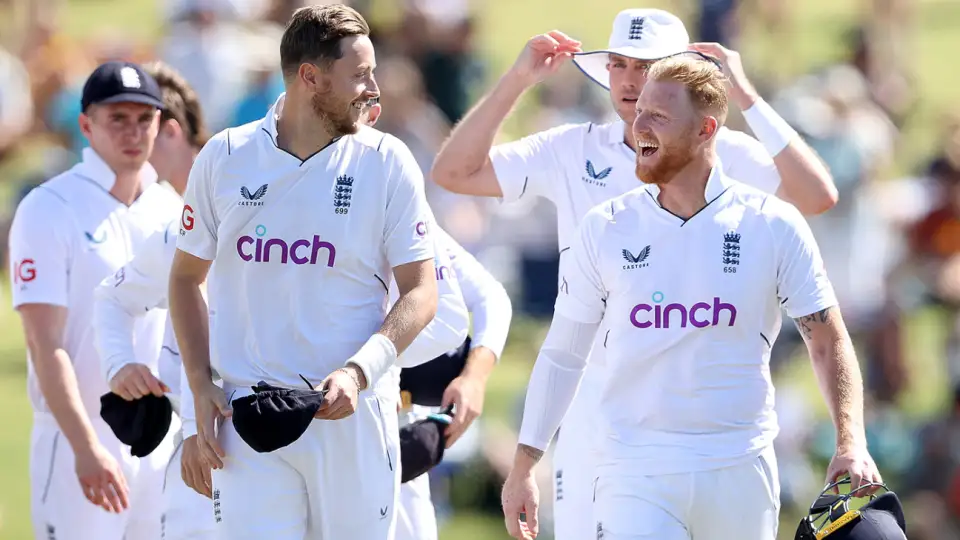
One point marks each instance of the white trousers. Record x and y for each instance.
(574, 468)
(60, 511)
(187, 515)
(339, 480)
(416, 517)
(742, 501)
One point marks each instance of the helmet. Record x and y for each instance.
(831, 517)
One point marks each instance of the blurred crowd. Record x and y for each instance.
(891, 245)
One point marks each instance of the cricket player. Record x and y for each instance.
(577, 166)
(306, 216)
(141, 286)
(67, 234)
(686, 409)
(489, 304)
(487, 301)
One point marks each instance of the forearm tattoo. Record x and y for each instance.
(531, 452)
(807, 323)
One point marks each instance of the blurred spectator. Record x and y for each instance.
(203, 42)
(16, 103)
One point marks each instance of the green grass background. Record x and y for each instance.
(505, 25)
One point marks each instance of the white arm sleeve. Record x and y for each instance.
(188, 415)
(449, 326)
(531, 166)
(121, 299)
(555, 379)
(199, 222)
(579, 312)
(484, 296)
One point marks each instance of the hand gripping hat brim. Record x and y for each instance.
(142, 424)
(421, 446)
(274, 417)
(642, 34)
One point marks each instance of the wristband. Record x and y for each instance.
(375, 358)
(773, 132)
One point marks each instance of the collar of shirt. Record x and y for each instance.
(270, 121)
(717, 183)
(92, 166)
(615, 133)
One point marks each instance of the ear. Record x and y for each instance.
(171, 128)
(708, 127)
(85, 121)
(310, 75)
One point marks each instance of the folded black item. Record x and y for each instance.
(422, 444)
(426, 383)
(274, 417)
(141, 424)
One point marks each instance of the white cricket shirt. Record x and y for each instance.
(67, 235)
(693, 308)
(303, 249)
(578, 166)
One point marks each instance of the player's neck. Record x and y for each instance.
(298, 129)
(126, 188)
(685, 194)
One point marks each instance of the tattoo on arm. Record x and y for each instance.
(807, 323)
(531, 452)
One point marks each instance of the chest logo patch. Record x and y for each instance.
(595, 177)
(636, 261)
(731, 252)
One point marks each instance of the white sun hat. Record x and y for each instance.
(643, 34)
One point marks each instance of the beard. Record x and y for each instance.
(339, 117)
(669, 160)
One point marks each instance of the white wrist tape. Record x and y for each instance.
(375, 358)
(773, 132)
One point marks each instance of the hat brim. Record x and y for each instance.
(593, 64)
(131, 98)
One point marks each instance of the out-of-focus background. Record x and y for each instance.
(872, 84)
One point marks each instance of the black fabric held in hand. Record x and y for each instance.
(427, 382)
(274, 417)
(141, 424)
(421, 447)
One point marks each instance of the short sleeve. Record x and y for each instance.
(531, 166)
(745, 160)
(582, 295)
(40, 250)
(198, 220)
(408, 219)
(802, 283)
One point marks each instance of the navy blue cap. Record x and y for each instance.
(142, 423)
(120, 82)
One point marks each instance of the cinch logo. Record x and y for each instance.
(699, 314)
(444, 272)
(421, 228)
(300, 251)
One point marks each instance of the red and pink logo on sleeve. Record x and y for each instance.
(24, 271)
(186, 219)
